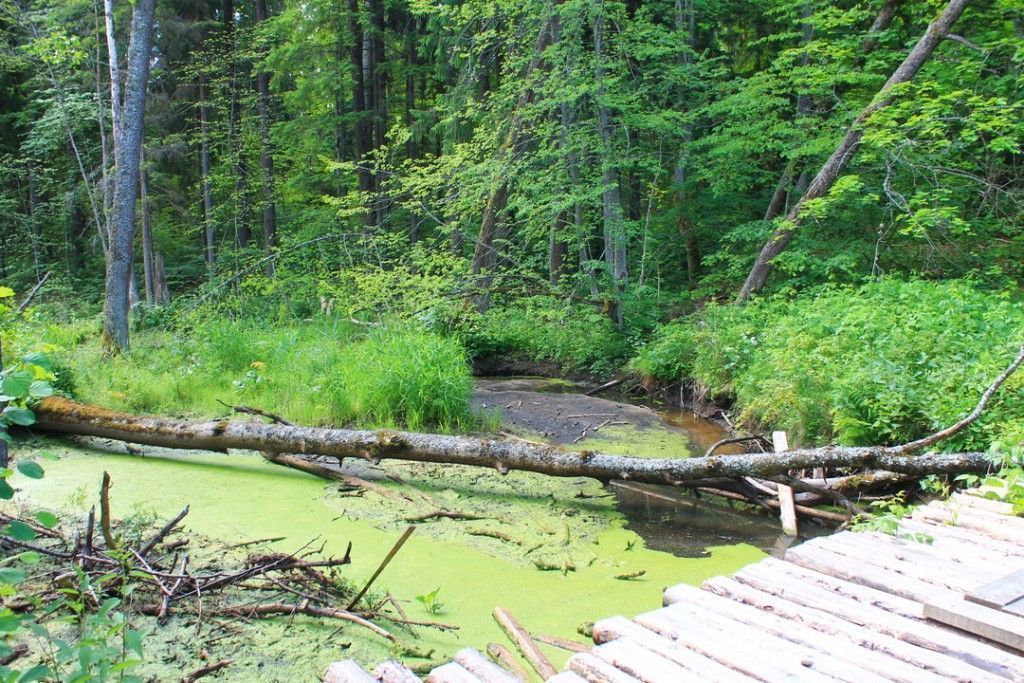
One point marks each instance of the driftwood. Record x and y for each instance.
(61, 415)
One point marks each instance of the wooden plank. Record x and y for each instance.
(995, 625)
(1000, 527)
(1015, 607)
(483, 668)
(938, 649)
(853, 653)
(935, 552)
(566, 677)
(1001, 592)
(596, 670)
(965, 539)
(857, 571)
(347, 671)
(394, 672)
(977, 500)
(752, 661)
(626, 655)
(451, 673)
(619, 627)
(825, 660)
(787, 504)
(853, 591)
(937, 570)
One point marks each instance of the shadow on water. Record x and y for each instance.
(682, 522)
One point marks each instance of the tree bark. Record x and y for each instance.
(243, 231)
(147, 230)
(206, 181)
(128, 146)
(611, 193)
(61, 415)
(829, 172)
(266, 153)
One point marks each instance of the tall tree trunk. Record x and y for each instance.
(127, 145)
(686, 23)
(205, 179)
(611, 194)
(847, 148)
(147, 230)
(359, 103)
(484, 252)
(243, 229)
(113, 61)
(266, 153)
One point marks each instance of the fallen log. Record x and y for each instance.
(61, 415)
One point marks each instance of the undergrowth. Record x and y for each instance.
(888, 362)
(326, 371)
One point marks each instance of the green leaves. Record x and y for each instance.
(16, 384)
(47, 519)
(12, 575)
(18, 416)
(30, 469)
(20, 531)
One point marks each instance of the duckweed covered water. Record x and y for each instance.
(236, 498)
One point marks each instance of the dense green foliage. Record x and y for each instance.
(325, 372)
(884, 363)
(343, 193)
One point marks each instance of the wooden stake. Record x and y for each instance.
(524, 643)
(787, 506)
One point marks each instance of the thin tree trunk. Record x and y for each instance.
(847, 148)
(266, 153)
(147, 230)
(114, 65)
(611, 194)
(127, 145)
(243, 230)
(205, 180)
(484, 253)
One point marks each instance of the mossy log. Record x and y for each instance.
(61, 415)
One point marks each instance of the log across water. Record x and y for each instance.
(61, 415)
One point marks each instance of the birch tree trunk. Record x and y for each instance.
(847, 148)
(127, 145)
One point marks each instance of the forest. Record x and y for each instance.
(541, 281)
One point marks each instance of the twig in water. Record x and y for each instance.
(206, 670)
(387, 558)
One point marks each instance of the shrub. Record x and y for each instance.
(541, 328)
(401, 376)
(884, 363)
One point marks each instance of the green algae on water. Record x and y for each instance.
(236, 498)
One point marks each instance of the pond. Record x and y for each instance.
(547, 549)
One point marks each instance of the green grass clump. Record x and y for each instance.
(884, 363)
(318, 372)
(544, 329)
(402, 376)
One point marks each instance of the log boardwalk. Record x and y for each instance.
(942, 600)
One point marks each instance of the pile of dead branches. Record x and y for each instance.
(166, 578)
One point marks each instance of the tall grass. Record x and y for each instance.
(327, 372)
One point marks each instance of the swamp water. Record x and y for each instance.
(547, 549)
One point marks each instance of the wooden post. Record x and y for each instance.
(787, 507)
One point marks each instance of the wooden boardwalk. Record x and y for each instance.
(855, 607)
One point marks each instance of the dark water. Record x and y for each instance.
(678, 521)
